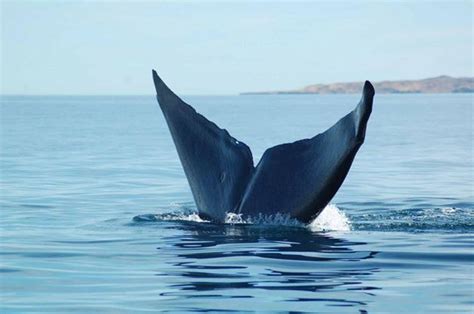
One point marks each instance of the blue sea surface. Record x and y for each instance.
(96, 214)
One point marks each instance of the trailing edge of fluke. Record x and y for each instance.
(298, 178)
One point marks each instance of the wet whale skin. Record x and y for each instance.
(298, 178)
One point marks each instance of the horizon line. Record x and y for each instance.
(243, 93)
(223, 95)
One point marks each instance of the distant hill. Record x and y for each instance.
(439, 84)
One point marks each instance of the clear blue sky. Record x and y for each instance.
(225, 47)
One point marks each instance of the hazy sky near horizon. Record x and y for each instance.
(227, 47)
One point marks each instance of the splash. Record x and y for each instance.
(276, 219)
(448, 210)
(174, 216)
(234, 219)
(188, 217)
(330, 219)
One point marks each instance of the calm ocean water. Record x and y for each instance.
(97, 216)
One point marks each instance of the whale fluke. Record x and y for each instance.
(298, 178)
(217, 166)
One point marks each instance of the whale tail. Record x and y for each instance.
(217, 166)
(298, 178)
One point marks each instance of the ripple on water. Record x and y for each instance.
(439, 219)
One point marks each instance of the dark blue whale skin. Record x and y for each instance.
(298, 178)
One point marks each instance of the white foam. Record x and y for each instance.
(276, 219)
(232, 218)
(194, 217)
(331, 219)
(448, 211)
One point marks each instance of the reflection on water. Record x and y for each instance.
(232, 261)
(71, 182)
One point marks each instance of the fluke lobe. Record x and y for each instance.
(298, 178)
